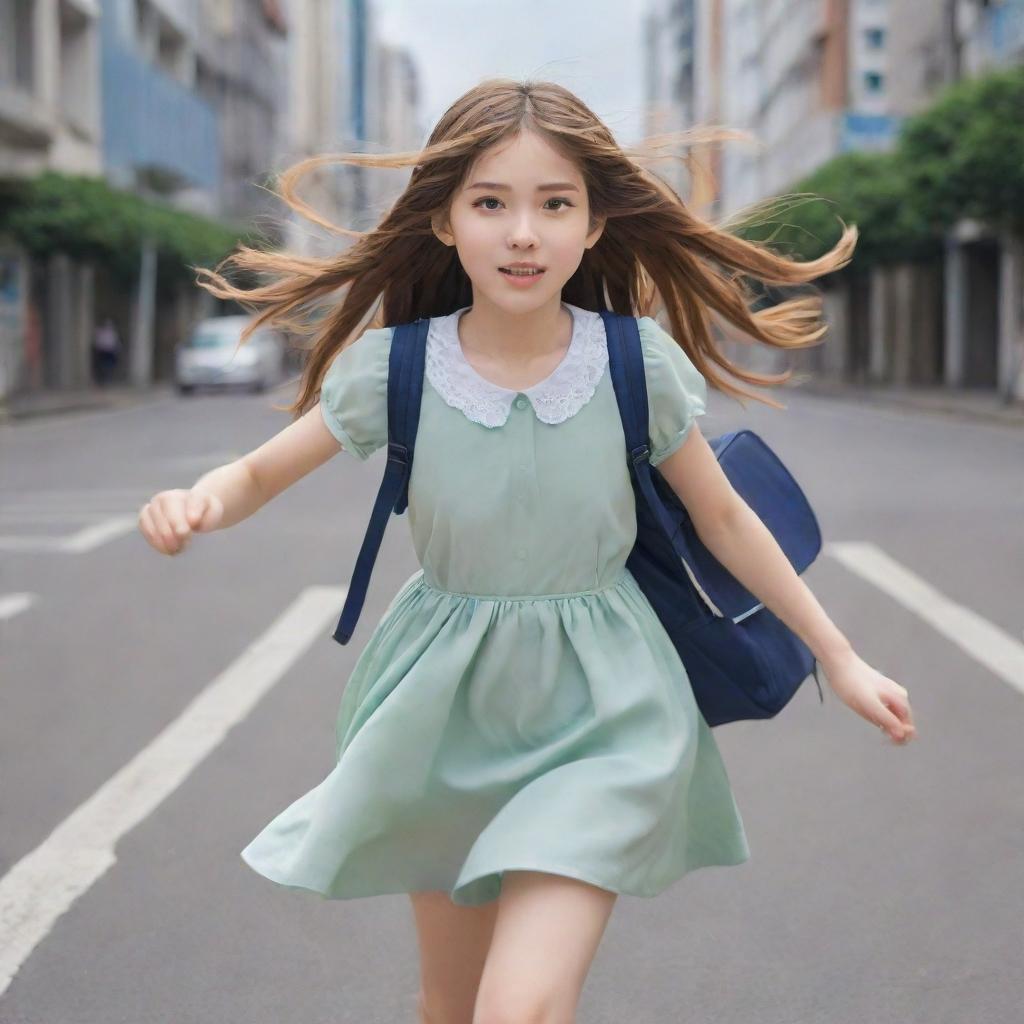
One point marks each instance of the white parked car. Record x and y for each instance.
(211, 356)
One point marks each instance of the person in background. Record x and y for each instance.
(106, 351)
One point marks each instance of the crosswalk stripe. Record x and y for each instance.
(15, 604)
(997, 650)
(41, 886)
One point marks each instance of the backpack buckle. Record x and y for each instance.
(398, 452)
(639, 453)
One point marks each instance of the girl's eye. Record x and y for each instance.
(494, 199)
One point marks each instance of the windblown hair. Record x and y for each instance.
(653, 256)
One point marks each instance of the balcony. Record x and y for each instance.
(152, 121)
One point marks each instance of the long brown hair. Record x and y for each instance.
(654, 254)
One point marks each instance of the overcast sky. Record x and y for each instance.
(592, 48)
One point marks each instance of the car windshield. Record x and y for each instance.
(210, 337)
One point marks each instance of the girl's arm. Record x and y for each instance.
(248, 483)
(735, 535)
(233, 492)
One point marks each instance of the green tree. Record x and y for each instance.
(87, 219)
(963, 157)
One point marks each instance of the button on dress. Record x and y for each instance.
(519, 704)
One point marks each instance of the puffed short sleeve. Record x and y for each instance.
(354, 393)
(676, 389)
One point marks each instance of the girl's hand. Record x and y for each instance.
(168, 519)
(875, 697)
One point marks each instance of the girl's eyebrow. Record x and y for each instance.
(555, 186)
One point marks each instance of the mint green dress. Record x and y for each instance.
(519, 705)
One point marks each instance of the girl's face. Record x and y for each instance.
(522, 202)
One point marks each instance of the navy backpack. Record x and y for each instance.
(742, 661)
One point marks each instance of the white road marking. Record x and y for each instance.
(15, 604)
(52, 515)
(41, 886)
(997, 650)
(47, 497)
(85, 539)
(46, 421)
(102, 508)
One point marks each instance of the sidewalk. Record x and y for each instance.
(57, 401)
(975, 404)
(971, 404)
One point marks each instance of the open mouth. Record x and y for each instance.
(522, 271)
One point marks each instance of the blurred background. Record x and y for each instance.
(139, 136)
(156, 712)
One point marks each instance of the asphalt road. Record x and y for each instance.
(158, 712)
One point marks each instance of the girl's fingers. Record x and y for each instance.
(900, 706)
(195, 506)
(149, 530)
(170, 517)
(177, 519)
(898, 729)
(887, 720)
(166, 531)
(152, 530)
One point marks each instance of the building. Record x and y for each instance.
(50, 119)
(672, 82)
(197, 105)
(810, 79)
(349, 92)
(49, 86)
(161, 136)
(241, 72)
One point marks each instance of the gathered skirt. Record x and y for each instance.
(477, 735)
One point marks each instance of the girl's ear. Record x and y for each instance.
(439, 224)
(596, 233)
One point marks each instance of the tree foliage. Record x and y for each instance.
(87, 219)
(963, 157)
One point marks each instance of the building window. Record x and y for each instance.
(16, 45)
(874, 81)
(74, 68)
(141, 18)
(875, 38)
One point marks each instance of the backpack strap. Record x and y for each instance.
(405, 392)
(629, 378)
(626, 363)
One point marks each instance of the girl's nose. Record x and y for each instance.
(522, 233)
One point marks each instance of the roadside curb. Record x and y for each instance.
(975, 404)
(56, 402)
(970, 404)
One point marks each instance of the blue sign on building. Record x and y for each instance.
(868, 131)
(1006, 28)
(150, 120)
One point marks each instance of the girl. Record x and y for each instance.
(514, 748)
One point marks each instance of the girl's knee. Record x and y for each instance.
(513, 1005)
(437, 1010)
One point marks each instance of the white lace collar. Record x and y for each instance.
(560, 395)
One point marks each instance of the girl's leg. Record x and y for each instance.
(547, 932)
(453, 944)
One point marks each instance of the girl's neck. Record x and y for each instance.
(514, 339)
